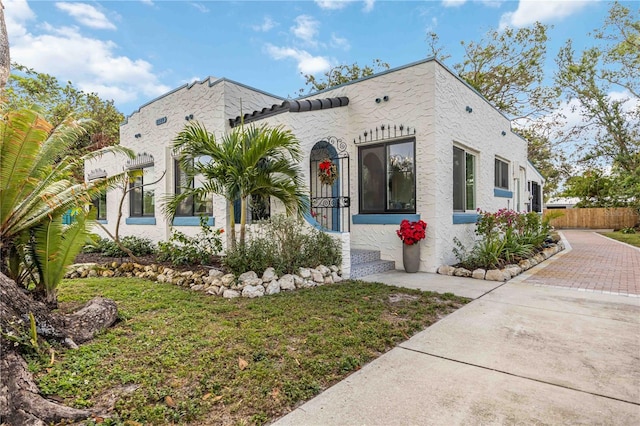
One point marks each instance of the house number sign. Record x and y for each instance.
(160, 121)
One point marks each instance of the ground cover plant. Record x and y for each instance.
(179, 357)
(625, 237)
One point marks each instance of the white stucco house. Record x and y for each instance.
(414, 142)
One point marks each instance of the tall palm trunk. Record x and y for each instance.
(243, 219)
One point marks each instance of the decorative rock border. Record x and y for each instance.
(506, 273)
(214, 282)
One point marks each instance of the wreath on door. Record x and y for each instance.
(327, 172)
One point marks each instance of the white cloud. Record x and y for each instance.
(453, 3)
(266, 25)
(306, 29)
(307, 63)
(368, 5)
(339, 42)
(529, 11)
(90, 64)
(148, 2)
(332, 4)
(87, 15)
(201, 7)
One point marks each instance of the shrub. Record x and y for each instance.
(628, 230)
(109, 248)
(284, 244)
(184, 250)
(505, 236)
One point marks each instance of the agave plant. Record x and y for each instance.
(36, 188)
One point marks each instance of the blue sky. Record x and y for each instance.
(134, 51)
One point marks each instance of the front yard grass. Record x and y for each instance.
(633, 239)
(178, 356)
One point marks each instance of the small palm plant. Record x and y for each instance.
(249, 161)
(36, 188)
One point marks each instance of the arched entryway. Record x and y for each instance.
(329, 184)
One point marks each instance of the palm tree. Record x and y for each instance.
(36, 189)
(252, 161)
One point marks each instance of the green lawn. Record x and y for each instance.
(182, 357)
(633, 239)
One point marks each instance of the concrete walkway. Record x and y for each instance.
(519, 353)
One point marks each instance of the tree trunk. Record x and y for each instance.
(5, 61)
(20, 402)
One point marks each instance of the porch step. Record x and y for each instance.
(367, 262)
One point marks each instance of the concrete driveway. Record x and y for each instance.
(518, 354)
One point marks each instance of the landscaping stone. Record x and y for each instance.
(251, 275)
(287, 282)
(323, 270)
(497, 275)
(230, 294)
(462, 272)
(539, 258)
(213, 290)
(446, 270)
(317, 276)
(478, 274)
(273, 287)
(252, 291)
(513, 270)
(298, 280)
(328, 280)
(197, 287)
(215, 273)
(228, 279)
(305, 273)
(336, 278)
(525, 264)
(269, 275)
(251, 282)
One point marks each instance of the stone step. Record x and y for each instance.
(363, 256)
(372, 267)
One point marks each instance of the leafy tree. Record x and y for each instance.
(36, 189)
(595, 188)
(249, 161)
(342, 74)
(27, 88)
(610, 128)
(507, 68)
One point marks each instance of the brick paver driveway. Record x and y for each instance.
(594, 263)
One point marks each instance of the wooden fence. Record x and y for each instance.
(594, 218)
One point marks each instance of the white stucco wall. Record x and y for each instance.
(479, 132)
(211, 102)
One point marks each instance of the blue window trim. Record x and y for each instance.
(459, 218)
(383, 219)
(141, 221)
(102, 221)
(503, 193)
(191, 221)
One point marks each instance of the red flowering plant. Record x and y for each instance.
(412, 232)
(327, 171)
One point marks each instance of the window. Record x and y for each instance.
(501, 174)
(464, 180)
(258, 208)
(100, 204)
(141, 197)
(191, 206)
(536, 196)
(387, 178)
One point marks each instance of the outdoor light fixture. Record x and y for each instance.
(137, 136)
(188, 117)
(504, 133)
(468, 109)
(378, 100)
(385, 98)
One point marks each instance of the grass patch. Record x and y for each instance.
(633, 239)
(177, 356)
